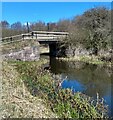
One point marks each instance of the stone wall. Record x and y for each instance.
(76, 51)
(31, 53)
(105, 55)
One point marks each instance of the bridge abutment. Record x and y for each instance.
(53, 49)
(56, 50)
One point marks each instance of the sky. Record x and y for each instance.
(45, 11)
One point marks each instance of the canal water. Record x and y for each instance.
(86, 78)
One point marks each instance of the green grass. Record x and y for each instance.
(87, 59)
(17, 101)
(91, 60)
(62, 101)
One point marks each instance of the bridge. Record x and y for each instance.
(53, 39)
(41, 36)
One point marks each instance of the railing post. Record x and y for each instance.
(36, 36)
(32, 34)
(23, 37)
(11, 39)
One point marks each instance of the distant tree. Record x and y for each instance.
(16, 26)
(52, 26)
(5, 24)
(15, 29)
(63, 25)
(38, 26)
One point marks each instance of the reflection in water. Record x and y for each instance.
(74, 85)
(87, 78)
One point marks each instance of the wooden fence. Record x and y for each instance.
(34, 35)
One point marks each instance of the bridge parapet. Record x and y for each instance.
(38, 35)
(52, 33)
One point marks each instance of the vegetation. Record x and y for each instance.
(17, 102)
(63, 102)
(93, 30)
(90, 31)
(87, 59)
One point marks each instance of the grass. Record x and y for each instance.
(17, 101)
(62, 102)
(87, 59)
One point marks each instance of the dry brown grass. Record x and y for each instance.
(17, 102)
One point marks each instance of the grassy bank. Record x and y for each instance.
(17, 101)
(62, 102)
(87, 59)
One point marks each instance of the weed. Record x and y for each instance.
(62, 101)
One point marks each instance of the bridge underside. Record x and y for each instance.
(54, 48)
(47, 41)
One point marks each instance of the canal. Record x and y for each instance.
(87, 78)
